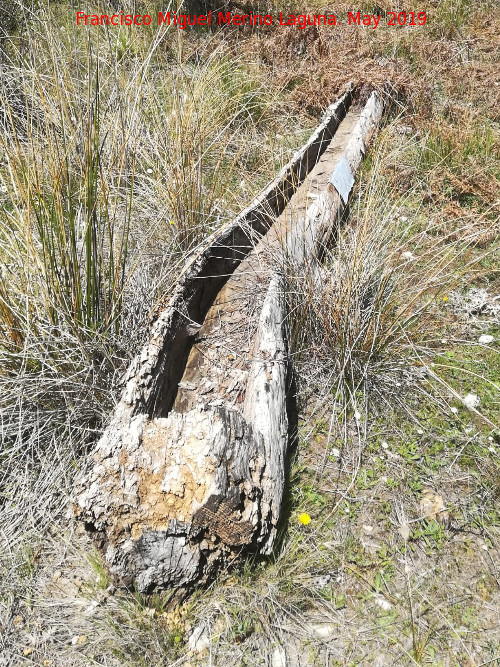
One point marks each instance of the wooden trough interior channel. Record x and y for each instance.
(190, 473)
(217, 368)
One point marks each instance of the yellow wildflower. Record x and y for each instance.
(304, 518)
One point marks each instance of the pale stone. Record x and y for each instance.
(471, 401)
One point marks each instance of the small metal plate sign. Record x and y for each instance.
(342, 179)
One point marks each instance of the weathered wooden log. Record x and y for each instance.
(190, 472)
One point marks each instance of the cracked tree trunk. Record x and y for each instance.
(190, 473)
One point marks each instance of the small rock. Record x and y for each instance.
(432, 507)
(486, 339)
(322, 630)
(335, 452)
(471, 401)
(28, 651)
(454, 410)
(368, 530)
(199, 639)
(382, 602)
(408, 255)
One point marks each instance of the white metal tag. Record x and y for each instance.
(342, 179)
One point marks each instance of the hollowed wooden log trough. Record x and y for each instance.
(190, 472)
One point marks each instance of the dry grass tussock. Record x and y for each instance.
(374, 312)
(118, 157)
